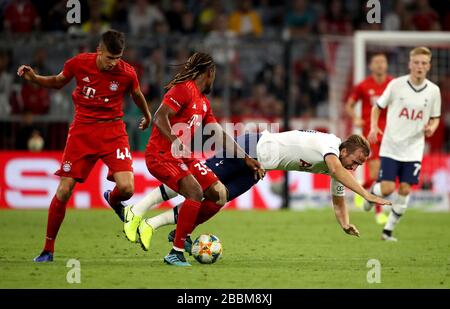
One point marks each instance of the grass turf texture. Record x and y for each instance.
(281, 249)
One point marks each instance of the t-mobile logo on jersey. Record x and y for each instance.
(88, 92)
(194, 121)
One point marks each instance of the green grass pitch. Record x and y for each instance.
(262, 249)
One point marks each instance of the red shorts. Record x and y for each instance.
(169, 170)
(88, 142)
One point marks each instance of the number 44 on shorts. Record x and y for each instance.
(122, 155)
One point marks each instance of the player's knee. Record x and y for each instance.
(64, 192)
(217, 193)
(404, 189)
(387, 189)
(191, 189)
(126, 190)
(195, 194)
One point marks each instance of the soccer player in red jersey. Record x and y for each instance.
(368, 91)
(168, 155)
(97, 131)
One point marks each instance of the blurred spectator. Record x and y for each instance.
(446, 22)
(273, 76)
(96, 24)
(131, 56)
(33, 98)
(119, 19)
(188, 23)
(143, 16)
(161, 28)
(221, 42)
(310, 78)
(40, 62)
(245, 21)
(209, 14)
(25, 131)
(106, 7)
(174, 16)
(35, 142)
(153, 75)
(300, 19)
(395, 19)
(55, 18)
(20, 16)
(335, 20)
(424, 18)
(272, 14)
(6, 83)
(251, 106)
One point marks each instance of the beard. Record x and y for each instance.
(208, 89)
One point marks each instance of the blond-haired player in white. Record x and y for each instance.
(413, 109)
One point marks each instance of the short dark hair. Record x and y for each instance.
(355, 142)
(114, 41)
(376, 54)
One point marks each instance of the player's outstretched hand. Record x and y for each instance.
(144, 123)
(373, 135)
(350, 229)
(26, 72)
(255, 166)
(378, 200)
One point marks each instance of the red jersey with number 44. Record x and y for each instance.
(99, 94)
(192, 111)
(368, 91)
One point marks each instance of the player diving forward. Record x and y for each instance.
(306, 151)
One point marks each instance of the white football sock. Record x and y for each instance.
(398, 209)
(165, 218)
(155, 197)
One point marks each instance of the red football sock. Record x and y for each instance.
(207, 210)
(56, 215)
(378, 209)
(115, 197)
(186, 220)
(368, 183)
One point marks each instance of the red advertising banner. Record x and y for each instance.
(27, 181)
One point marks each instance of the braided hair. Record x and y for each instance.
(196, 65)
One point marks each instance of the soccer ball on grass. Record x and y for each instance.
(207, 249)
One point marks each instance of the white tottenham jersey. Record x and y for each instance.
(409, 110)
(299, 151)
